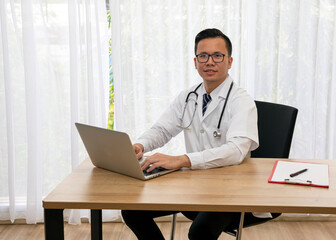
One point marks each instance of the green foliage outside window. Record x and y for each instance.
(110, 123)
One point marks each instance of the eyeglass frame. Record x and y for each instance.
(210, 55)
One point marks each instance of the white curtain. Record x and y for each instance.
(284, 52)
(54, 71)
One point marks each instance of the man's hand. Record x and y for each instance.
(165, 161)
(138, 149)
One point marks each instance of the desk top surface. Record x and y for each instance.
(241, 188)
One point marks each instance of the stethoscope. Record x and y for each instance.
(216, 133)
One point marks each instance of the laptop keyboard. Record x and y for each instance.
(156, 170)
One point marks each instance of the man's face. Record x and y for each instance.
(211, 72)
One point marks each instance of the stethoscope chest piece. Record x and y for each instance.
(217, 134)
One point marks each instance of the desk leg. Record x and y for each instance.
(240, 229)
(96, 225)
(53, 224)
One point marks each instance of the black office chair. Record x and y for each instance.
(275, 126)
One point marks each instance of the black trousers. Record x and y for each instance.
(205, 225)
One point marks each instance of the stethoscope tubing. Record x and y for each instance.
(217, 132)
(226, 99)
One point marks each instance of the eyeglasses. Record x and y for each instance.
(216, 57)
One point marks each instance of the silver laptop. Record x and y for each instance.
(113, 151)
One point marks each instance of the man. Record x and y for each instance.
(221, 132)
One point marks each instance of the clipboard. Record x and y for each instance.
(316, 175)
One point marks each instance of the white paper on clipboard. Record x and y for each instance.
(317, 175)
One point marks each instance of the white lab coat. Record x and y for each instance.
(239, 132)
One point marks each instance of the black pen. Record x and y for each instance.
(298, 172)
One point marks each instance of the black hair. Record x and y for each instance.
(213, 33)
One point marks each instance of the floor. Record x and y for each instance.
(276, 230)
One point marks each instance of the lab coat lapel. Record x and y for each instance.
(221, 96)
(211, 107)
(200, 106)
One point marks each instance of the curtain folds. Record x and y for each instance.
(283, 52)
(54, 71)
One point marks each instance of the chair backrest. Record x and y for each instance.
(275, 126)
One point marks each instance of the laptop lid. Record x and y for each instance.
(113, 151)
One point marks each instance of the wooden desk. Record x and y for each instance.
(242, 188)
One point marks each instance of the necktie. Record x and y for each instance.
(206, 100)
